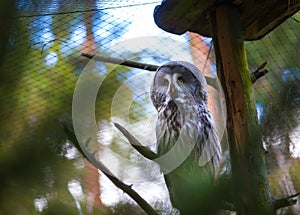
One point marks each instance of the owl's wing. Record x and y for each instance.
(211, 149)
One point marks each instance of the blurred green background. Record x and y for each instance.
(41, 41)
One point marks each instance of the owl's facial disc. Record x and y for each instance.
(174, 84)
(177, 85)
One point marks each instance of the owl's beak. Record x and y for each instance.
(172, 90)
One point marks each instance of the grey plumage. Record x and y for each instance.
(185, 132)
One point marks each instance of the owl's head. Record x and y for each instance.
(180, 82)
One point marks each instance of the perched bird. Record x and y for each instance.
(187, 140)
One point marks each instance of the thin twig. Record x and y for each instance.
(259, 72)
(149, 67)
(143, 150)
(144, 66)
(99, 165)
(286, 201)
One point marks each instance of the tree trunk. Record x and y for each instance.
(7, 13)
(92, 180)
(280, 164)
(200, 51)
(200, 54)
(92, 185)
(251, 193)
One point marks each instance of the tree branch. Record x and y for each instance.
(149, 67)
(99, 165)
(123, 62)
(143, 150)
(286, 201)
(259, 72)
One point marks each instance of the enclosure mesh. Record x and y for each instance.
(43, 64)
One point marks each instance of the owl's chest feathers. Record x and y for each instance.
(172, 123)
(172, 118)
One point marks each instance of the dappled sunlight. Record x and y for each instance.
(40, 204)
(51, 59)
(75, 189)
(77, 36)
(295, 143)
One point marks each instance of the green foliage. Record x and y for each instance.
(37, 82)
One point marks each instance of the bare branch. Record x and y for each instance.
(143, 150)
(99, 165)
(149, 67)
(259, 72)
(286, 201)
(123, 62)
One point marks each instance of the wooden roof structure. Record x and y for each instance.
(258, 17)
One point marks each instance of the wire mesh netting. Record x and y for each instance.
(40, 72)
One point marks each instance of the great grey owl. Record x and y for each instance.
(185, 131)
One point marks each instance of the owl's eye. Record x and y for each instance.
(180, 80)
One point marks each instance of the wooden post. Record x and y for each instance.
(251, 194)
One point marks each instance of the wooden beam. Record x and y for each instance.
(177, 16)
(258, 18)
